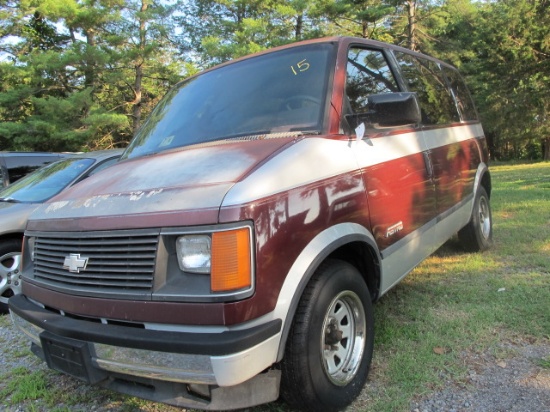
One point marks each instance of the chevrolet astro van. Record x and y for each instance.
(234, 252)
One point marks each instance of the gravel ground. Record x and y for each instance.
(518, 380)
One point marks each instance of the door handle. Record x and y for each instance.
(428, 163)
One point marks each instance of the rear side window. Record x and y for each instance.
(368, 73)
(426, 78)
(461, 94)
(21, 165)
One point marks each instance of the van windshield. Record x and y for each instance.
(277, 92)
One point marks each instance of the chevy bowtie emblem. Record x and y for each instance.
(74, 263)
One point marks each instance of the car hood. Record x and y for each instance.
(14, 216)
(191, 181)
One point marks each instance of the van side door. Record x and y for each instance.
(450, 141)
(400, 192)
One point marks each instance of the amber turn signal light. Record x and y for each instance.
(231, 269)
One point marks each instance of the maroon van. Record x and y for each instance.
(234, 253)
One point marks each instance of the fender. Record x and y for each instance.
(307, 263)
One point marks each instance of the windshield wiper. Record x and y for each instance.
(268, 133)
(310, 132)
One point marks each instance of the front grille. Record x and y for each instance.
(121, 262)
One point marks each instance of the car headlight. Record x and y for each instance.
(225, 255)
(30, 245)
(194, 253)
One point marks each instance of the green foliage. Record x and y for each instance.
(366, 19)
(86, 81)
(510, 75)
(220, 30)
(112, 60)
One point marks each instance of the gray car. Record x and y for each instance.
(15, 165)
(21, 198)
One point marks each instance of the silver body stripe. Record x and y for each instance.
(449, 135)
(315, 158)
(307, 161)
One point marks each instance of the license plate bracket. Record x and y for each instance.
(70, 356)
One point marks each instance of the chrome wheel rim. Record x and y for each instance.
(10, 276)
(343, 338)
(484, 218)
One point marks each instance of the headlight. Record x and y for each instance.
(194, 253)
(30, 243)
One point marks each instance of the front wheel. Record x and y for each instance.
(10, 282)
(329, 348)
(477, 235)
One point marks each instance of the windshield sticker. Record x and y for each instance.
(166, 141)
(300, 67)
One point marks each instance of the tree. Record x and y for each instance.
(83, 74)
(359, 18)
(84, 71)
(220, 30)
(143, 64)
(503, 49)
(512, 47)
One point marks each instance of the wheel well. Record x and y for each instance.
(358, 253)
(11, 236)
(363, 257)
(486, 183)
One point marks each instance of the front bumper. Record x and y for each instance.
(167, 361)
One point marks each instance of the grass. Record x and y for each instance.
(545, 363)
(452, 304)
(47, 390)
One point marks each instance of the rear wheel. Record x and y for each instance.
(477, 235)
(329, 348)
(10, 261)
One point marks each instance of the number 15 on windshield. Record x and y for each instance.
(299, 67)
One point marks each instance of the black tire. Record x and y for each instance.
(10, 282)
(329, 348)
(477, 235)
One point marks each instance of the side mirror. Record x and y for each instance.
(388, 110)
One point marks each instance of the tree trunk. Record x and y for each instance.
(89, 63)
(299, 24)
(411, 27)
(136, 112)
(546, 148)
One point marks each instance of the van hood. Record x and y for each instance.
(191, 181)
